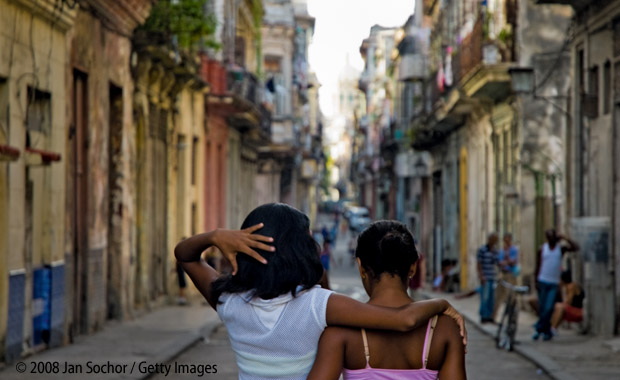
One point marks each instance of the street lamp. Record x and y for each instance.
(522, 79)
(420, 167)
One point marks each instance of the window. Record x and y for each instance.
(194, 154)
(592, 99)
(606, 98)
(194, 226)
(39, 116)
(4, 110)
(240, 51)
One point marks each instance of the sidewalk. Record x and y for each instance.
(118, 350)
(568, 356)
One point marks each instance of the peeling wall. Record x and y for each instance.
(33, 56)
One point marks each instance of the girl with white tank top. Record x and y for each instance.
(271, 305)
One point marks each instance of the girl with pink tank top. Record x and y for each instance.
(387, 258)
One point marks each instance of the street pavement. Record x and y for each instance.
(128, 350)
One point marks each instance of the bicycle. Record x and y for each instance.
(507, 328)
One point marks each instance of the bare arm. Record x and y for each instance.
(330, 356)
(345, 311)
(568, 295)
(538, 262)
(572, 246)
(188, 252)
(453, 367)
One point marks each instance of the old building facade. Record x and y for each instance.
(117, 141)
(491, 149)
(590, 177)
(35, 38)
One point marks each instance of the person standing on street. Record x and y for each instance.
(508, 258)
(548, 275)
(487, 260)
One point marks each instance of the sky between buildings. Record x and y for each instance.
(340, 27)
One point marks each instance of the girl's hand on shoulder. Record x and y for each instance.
(458, 318)
(232, 241)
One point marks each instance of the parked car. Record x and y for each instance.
(358, 218)
(350, 208)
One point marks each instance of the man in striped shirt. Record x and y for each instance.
(487, 261)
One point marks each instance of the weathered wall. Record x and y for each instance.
(542, 38)
(216, 174)
(186, 179)
(33, 56)
(593, 187)
(103, 56)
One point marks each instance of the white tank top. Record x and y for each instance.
(551, 264)
(275, 339)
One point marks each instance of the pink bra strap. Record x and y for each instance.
(366, 350)
(427, 340)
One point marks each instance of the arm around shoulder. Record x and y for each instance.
(345, 311)
(453, 366)
(330, 356)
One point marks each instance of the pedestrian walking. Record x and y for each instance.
(352, 246)
(487, 260)
(270, 304)
(326, 256)
(549, 270)
(181, 299)
(508, 258)
(387, 258)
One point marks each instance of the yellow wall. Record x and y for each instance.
(33, 54)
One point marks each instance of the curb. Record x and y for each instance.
(544, 362)
(183, 344)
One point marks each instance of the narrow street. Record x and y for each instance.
(481, 351)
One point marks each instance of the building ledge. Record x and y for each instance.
(37, 157)
(488, 81)
(576, 4)
(62, 17)
(8, 153)
(123, 16)
(448, 115)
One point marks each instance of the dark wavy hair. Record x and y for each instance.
(387, 246)
(294, 263)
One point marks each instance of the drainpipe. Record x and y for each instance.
(553, 177)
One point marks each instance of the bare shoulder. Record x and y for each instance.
(447, 330)
(334, 332)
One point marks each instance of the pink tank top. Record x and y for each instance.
(369, 373)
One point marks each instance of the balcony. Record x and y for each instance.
(578, 5)
(471, 49)
(8, 153)
(237, 95)
(244, 86)
(122, 16)
(413, 65)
